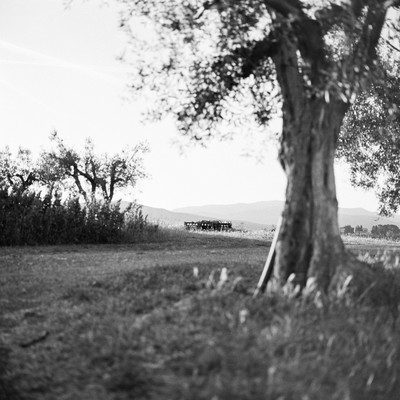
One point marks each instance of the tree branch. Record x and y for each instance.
(286, 7)
(365, 51)
(75, 175)
(9, 178)
(308, 31)
(253, 56)
(392, 45)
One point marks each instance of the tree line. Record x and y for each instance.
(85, 174)
(387, 231)
(66, 196)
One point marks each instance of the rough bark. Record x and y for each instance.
(309, 243)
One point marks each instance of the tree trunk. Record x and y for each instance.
(309, 243)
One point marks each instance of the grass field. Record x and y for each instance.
(152, 321)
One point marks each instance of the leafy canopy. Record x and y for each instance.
(82, 173)
(215, 60)
(96, 174)
(370, 141)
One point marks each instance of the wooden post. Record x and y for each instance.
(269, 264)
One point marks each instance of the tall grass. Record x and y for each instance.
(29, 219)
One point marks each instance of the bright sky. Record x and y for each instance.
(59, 70)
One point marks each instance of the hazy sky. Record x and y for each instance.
(59, 70)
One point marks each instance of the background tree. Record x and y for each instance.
(385, 231)
(358, 229)
(306, 61)
(95, 174)
(17, 171)
(348, 229)
(50, 175)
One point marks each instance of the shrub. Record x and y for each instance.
(136, 225)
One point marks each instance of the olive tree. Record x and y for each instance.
(303, 61)
(17, 171)
(96, 175)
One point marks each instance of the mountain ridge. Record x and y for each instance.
(255, 216)
(268, 213)
(163, 216)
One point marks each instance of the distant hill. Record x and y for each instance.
(268, 213)
(165, 217)
(254, 216)
(263, 212)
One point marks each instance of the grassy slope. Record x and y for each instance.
(133, 322)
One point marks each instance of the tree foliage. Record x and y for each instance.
(87, 173)
(98, 174)
(370, 141)
(211, 60)
(348, 229)
(358, 229)
(19, 171)
(389, 231)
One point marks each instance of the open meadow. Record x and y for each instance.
(154, 321)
